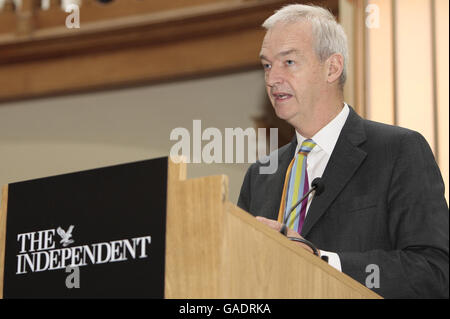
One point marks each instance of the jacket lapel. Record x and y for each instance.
(344, 161)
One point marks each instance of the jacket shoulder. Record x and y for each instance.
(387, 133)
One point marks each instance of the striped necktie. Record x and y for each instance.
(296, 185)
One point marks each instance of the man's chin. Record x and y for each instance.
(283, 114)
(290, 118)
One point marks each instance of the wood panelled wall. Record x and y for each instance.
(127, 42)
(407, 71)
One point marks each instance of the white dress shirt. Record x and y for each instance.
(318, 159)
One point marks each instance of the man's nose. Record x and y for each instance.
(274, 77)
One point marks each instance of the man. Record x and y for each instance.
(383, 202)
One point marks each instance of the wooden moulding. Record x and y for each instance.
(131, 66)
(138, 49)
(146, 29)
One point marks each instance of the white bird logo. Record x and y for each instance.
(65, 235)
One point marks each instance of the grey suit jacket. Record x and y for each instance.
(383, 205)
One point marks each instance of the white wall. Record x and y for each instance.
(57, 135)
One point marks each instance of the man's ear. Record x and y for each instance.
(335, 67)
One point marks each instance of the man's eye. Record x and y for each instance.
(290, 62)
(266, 66)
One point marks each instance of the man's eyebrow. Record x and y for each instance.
(263, 57)
(282, 53)
(287, 52)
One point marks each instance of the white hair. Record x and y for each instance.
(329, 36)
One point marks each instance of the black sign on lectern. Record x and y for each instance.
(93, 234)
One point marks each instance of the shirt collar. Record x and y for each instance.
(327, 137)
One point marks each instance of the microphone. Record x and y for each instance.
(318, 186)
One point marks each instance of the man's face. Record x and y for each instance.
(295, 78)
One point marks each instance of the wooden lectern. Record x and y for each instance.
(216, 250)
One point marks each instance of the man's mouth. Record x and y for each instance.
(281, 96)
